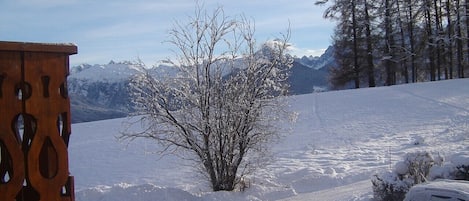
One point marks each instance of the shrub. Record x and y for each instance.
(392, 186)
(460, 163)
(462, 172)
(419, 164)
(457, 168)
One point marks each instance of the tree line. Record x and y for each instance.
(390, 42)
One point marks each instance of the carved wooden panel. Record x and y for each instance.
(34, 122)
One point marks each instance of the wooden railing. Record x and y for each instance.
(35, 122)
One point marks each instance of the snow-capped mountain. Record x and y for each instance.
(101, 91)
(318, 62)
(310, 74)
(111, 72)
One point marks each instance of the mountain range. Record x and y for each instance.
(101, 91)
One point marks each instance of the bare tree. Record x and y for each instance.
(221, 103)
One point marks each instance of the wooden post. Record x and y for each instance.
(34, 122)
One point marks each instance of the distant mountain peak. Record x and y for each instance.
(111, 72)
(317, 62)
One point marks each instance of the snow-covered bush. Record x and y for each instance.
(393, 185)
(419, 164)
(445, 171)
(462, 172)
(390, 186)
(457, 168)
(460, 164)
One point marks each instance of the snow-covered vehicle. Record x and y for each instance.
(439, 190)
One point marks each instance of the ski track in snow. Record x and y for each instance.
(338, 142)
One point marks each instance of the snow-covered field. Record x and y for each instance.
(338, 142)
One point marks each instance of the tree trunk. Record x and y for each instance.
(438, 27)
(430, 41)
(449, 69)
(467, 35)
(404, 61)
(411, 40)
(388, 53)
(369, 48)
(356, 67)
(459, 40)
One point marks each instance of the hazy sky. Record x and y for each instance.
(120, 30)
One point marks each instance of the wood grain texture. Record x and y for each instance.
(34, 122)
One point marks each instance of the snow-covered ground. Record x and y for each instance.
(338, 142)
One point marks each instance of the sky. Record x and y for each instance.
(122, 30)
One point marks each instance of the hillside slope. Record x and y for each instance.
(338, 142)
